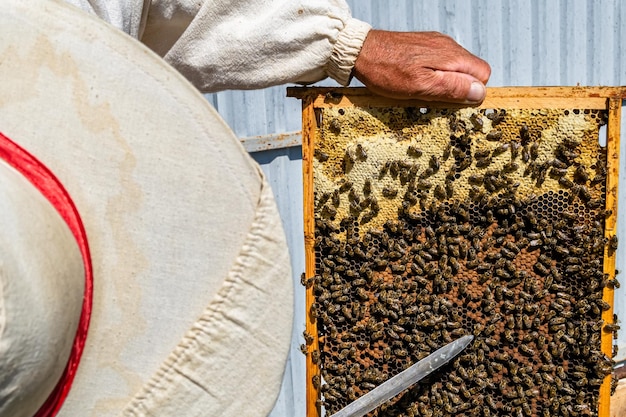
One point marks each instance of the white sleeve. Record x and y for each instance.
(235, 44)
(243, 44)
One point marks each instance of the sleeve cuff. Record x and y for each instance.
(346, 50)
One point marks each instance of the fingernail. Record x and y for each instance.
(476, 92)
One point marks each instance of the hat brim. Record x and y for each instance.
(181, 226)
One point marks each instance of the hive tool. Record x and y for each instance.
(405, 379)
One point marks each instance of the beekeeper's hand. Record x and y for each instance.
(421, 65)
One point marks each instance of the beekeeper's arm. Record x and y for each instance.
(234, 44)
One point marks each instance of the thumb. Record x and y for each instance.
(459, 87)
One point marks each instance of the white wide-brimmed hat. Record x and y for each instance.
(143, 269)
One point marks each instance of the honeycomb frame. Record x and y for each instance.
(329, 112)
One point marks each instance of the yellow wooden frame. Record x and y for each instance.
(599, 98)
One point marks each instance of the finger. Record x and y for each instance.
(476, 67)
(451, 56)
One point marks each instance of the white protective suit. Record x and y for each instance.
(231, 44)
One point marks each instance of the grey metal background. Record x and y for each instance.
(527, 43)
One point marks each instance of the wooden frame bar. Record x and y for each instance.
(610, 230)
(518, 97)
(312, 368)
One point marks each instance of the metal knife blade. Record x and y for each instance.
(395, 385)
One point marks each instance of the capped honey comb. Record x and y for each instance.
(434, 223)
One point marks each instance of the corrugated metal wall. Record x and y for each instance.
(531, 43)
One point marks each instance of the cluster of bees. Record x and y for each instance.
(492, 226)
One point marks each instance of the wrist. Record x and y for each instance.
(346, 50)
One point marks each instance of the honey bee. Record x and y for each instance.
(500, 149)
(524, 133)
(557, 163)
(402, 353)
(394, 169)
(526, 350)
(328, 211)
(336, 199)
(565, 182)
(534, 150)
(613, 282)
(303, 279)
(321, 403)
(541, 269)
(377, 335)
(320, 155)
(384, 169)
(580, 175)
(446, 151)
(515, 149)
(496, 117)
(389, 192)
(360, 152)
(449, 187)
(315, 357)
(313, 311)
(345, 186)
(465, 163)
(477, 121)
(387, 353)
(348, 160)
(434, 163)
(367, 187)
(494, 135)
(414, 151)
(484, 162)
(584, 193)
(316, 380)
(510, 167)
(439, 192)
(345, 353)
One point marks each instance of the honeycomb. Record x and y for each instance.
(431, 224)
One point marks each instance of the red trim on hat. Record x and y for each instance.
(45, 181)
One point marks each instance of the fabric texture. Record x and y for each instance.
(202, 374)
(230, 44)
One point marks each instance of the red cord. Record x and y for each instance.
(45, 181)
